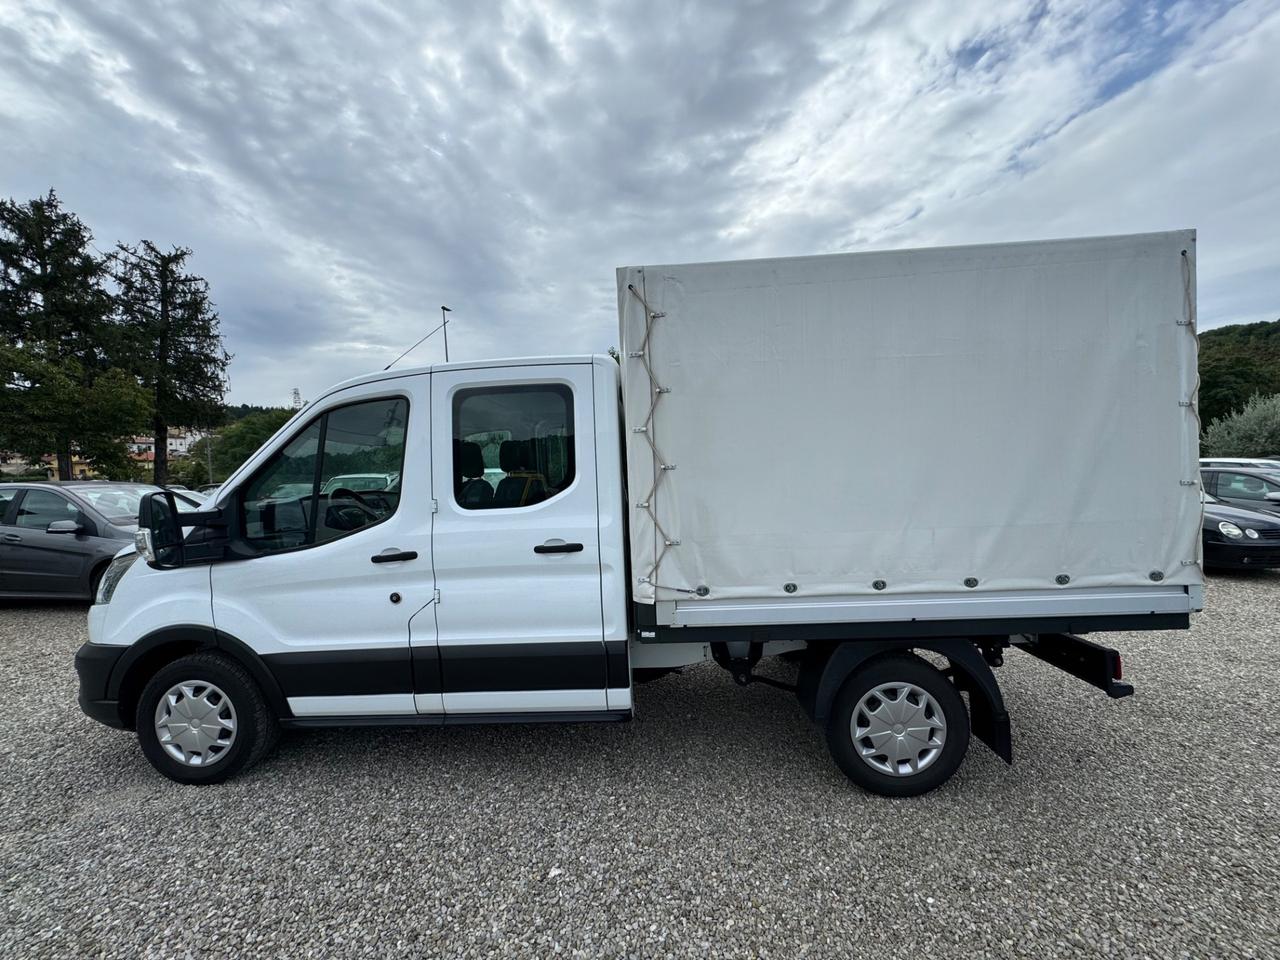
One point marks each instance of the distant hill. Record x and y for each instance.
(1235, 363)
(242, 410)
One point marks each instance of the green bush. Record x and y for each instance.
(189, 472)
(1252, 431)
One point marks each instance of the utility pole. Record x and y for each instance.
(208, 452)
(444, 325)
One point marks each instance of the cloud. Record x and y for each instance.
(342, 170)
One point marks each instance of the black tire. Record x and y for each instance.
(902, 668)
(256, 731)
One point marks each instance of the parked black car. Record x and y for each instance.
(56, 539)
(1243, 487)
(1238, 538)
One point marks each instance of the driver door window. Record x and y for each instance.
(1241, 486)
(339, 475)
(39, 508)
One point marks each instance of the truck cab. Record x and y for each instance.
(446, 597)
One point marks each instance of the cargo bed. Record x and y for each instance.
(990, 433)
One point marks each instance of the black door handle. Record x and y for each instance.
(391, 556)
(558, 548)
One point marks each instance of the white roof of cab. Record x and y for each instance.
(397, 372)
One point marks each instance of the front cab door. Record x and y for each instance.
(323, 579)
(516, 546)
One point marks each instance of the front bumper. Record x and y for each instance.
(94, 664)
(1242, 554)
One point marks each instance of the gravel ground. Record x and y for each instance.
(713, 825)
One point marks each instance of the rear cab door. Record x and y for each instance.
(519, 622)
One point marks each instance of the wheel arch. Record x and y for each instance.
(826, 668)
(96, 570)
(160, 647)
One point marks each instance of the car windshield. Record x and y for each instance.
(121, 501)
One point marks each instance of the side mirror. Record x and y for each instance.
(159, 538)
(64, 526)
(1274, 495)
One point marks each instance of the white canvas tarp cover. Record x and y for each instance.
(1012, 413)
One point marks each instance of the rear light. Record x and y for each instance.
(1118, 672)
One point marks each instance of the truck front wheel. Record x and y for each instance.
(898, 727)
(202, 719)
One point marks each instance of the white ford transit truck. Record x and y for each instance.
(892, 467)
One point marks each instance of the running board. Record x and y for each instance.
(455, 719)
(1091, 662)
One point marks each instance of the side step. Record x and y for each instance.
(456, 719)
(1091, 662)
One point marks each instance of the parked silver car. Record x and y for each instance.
(56, 539)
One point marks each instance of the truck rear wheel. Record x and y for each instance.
(898, 727)
(202, 719)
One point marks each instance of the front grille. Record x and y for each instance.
(1273, 534)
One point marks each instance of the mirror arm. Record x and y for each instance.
(202, 518)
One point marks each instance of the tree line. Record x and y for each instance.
(97, 347)
(1240, 390)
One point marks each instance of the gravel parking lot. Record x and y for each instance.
(712, 825)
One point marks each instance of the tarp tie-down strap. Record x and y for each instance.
(1189, 321)
(646, 429)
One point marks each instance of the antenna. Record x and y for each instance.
(437, 329)
(296, 401)
(444, 322)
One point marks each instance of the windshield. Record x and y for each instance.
(120, 502)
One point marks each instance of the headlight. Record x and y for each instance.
(115, 573)
(1251, 533)
(1229, 529)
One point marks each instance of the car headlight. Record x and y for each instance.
(115, 573)
(1251, 533)
(1229, 529)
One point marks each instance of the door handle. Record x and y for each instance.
(11, 538)
(393, 556)
(550, 547)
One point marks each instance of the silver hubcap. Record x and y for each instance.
(898, 729)
(196, 723)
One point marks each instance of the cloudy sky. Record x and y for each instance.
(342, 169)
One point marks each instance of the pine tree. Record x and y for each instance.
(62, 389)
(173, 327)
